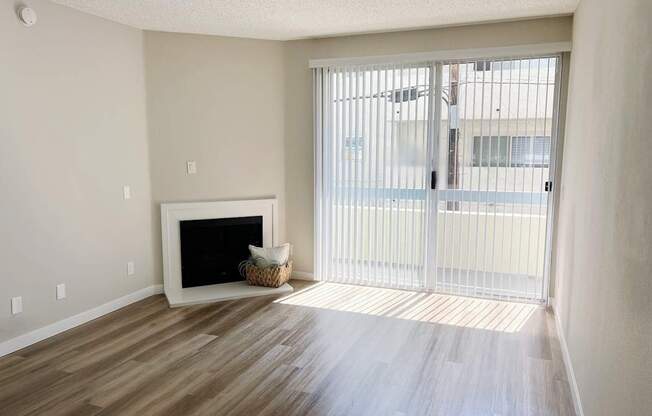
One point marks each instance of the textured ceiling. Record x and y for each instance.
(295, 19)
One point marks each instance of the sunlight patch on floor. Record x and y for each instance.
(436, 308)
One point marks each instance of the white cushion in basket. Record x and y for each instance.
(270, 255)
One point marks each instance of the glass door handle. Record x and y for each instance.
(433, 179)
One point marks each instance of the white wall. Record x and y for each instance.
(72, 133)
(604, 247)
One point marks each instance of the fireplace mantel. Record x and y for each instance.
(173, 213)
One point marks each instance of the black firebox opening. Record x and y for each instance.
(212, 249)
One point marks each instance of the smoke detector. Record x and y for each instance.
(27, 16)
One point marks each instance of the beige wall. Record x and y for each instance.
(72, 133)
(298, 96)
(604, 250)
(218, 101)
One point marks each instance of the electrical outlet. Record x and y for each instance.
(16, 305)
(126, 192)
(131, 268)
(191, 167)
(61, 291)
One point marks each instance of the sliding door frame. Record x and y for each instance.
(556, 147)
(432, 200)
(323, 69)
(556, 151)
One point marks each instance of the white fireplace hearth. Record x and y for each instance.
(171, 216)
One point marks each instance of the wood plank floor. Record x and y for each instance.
(302, 355)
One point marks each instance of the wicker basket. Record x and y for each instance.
(273, 276)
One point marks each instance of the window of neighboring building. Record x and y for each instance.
(491, 151)
(353, 148)
(532, 151)
(516, 151)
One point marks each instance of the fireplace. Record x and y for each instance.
(203, 243)
(212, 249)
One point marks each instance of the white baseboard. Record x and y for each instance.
(40, 334)
(303, 275)
(570, 373)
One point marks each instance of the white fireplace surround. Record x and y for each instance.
(173, 213)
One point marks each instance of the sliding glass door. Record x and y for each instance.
(433, 175)
(494, 140)
(374, 174)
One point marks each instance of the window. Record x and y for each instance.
(482, 66)
(353, 148)
(533, 151)
(516, 151)
(494, 152)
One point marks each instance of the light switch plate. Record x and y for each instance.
(126, 192)
(191, 167)
(131, 268)
(61, 291)
(16, 305)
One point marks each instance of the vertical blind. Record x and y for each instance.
(372, 129)
(486, 127)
